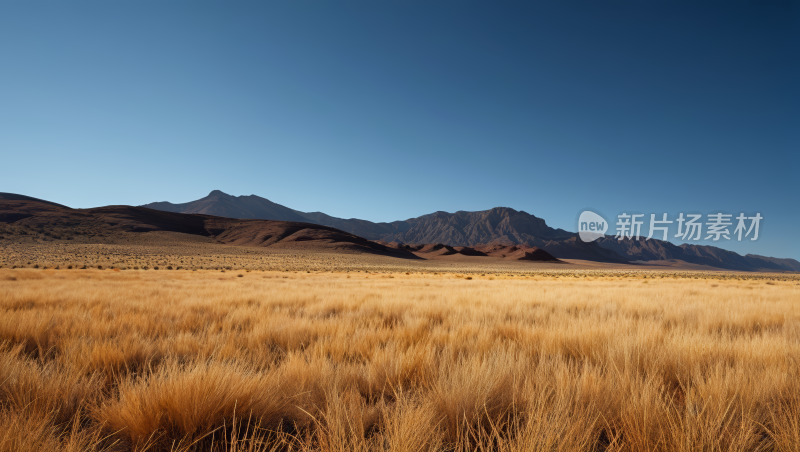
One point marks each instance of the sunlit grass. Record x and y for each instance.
(290, 360)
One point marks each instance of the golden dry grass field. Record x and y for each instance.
(398, 361)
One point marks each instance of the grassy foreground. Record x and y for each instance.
(254, 361)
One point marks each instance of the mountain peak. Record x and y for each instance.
(221, 204)
(503, 210)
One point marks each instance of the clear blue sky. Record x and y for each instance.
(386, 110)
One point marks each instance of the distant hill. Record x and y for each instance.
(497, 225)
(650, 250)
(364, 228)
(16, 197)
(772, 262)
(255, 207)
(510, 252)
(222, 204)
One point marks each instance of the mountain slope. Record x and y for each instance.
(716, 257)
(500, 225)
(642, 250)
(364, 228)
(222, 204)
(16, 197)
(773, 263)
(497, 226)
(653, 249)
(24, 220)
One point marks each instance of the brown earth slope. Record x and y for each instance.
(511, 252)
(518, 252)
(26, 220)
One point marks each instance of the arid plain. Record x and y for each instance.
(253, 350)
(129, 329)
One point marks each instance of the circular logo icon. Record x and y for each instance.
(591, 226)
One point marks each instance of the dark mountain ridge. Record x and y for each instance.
(497, 225)
(773, 262)
(650, 250)
(16, 197)
(222, 204)
(500, 225)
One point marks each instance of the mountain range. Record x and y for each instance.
(501, 225)
(498, 226)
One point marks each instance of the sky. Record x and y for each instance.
(387, 110)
